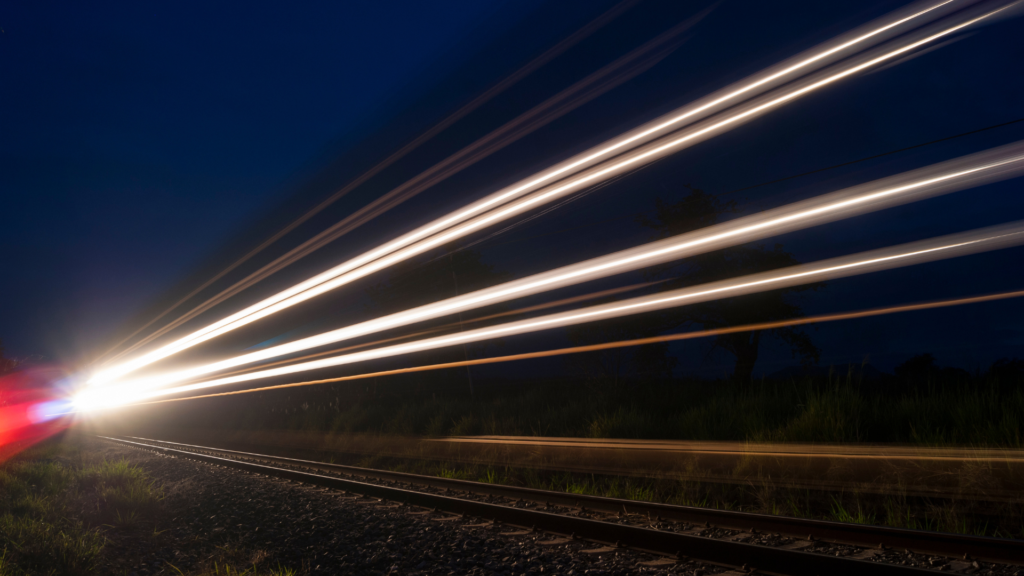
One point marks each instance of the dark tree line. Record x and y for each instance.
(451, 270)
(697, 209)
(923, 371)
(694, 209)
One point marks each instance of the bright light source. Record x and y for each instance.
(992, 238)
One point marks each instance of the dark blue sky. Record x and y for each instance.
(140, 141)
(136, 138)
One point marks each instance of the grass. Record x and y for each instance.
(237, 561)
(953, 497)
(896, 510)
(126, 495)
(39, 529)
(858, 516)
(59, 506)
(37, 546)
(980, 412)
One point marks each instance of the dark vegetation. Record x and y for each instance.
(698, 209)
(695, 209)
(951, 513)
(924, 405)
(56, 506)
(65, 510)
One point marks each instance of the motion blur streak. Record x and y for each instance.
(628, 343)
(30, 409)
(546, 305)
(808, 61)
(480, 100)
(744, 448)
(585, 90)
(985, 239)
(999, 163)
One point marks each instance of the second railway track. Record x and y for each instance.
(792, 546)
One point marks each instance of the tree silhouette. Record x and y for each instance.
(698, 209)
(435, 276)
(921, 371)
(1007, 371)
(920, 368)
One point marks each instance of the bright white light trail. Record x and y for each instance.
(986, 239)
(805, 63)
(973, 170)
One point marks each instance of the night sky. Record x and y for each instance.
(142, 147)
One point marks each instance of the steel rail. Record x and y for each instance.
(764, 558)
(819, 485)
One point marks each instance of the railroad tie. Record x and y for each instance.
(798, 545)
(555, 542)
(661, 562)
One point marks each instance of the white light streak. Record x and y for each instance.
(888, 258)
(973, 170)
(414, 243)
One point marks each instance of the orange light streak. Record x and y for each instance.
(624, 343)
(572, 300)
(999, 163)
(642, 145)
(931, 250)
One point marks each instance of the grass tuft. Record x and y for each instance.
(841, 514)
(124, 490)
(40, 547)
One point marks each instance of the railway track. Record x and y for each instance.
(741, 542)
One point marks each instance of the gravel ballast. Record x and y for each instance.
(322, 531)
(319, 531)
